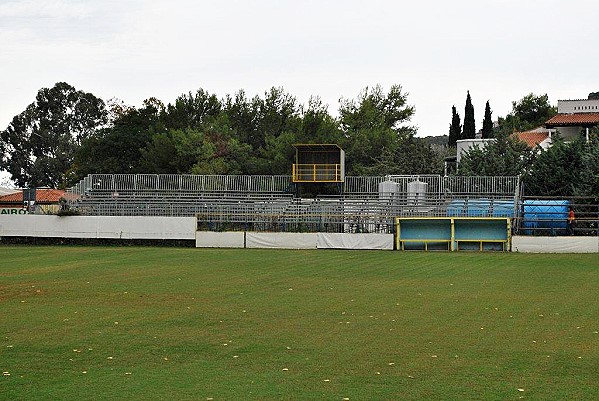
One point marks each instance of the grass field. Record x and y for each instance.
(190, 324)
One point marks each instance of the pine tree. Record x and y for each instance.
(469, 129)
(488, 123)
(455, 128)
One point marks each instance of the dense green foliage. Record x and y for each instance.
(566, 169)
(487, 131)
(189, 324)
(455, 128)
(376, 139)
(412, 156)
(38, 146)
(469, 129)
(527, 113)
(202, 134)
(66, 134)
(504, 157)
(589, 173)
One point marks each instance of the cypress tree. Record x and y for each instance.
(488, 123)
(469, 131)
(455, 128)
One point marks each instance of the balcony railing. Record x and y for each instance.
(317, 173)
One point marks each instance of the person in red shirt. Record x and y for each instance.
(571, 219)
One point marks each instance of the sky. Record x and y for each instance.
(499, 50)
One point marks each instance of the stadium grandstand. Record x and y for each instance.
(276, 203)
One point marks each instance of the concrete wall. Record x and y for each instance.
(527, 244)
(109, 227)
(568, 133)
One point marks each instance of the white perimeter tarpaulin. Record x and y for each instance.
(571, 244)
(210, 239)
(355, 241)
(280, 240)
(123, 227)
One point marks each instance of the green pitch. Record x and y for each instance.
(190, 324)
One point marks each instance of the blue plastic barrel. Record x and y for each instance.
(548, 215)
(479, 207)
(456, 208)
(503, 208)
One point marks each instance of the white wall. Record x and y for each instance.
(574, 244)
(578, 106)
(113, 227)
(464, 145)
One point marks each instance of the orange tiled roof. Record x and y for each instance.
(531, 138)
(41, 196)
(561, 120)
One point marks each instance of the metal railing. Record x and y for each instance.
(268, 202)
(316, 173)
(181, 183)
(549, 216)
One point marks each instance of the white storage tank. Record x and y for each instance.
(388, 190)
(417, 192)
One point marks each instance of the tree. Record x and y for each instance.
(259, 121)
(455, 128)
(588, 184)
(529, 112)
(487, 131)
(469, 129)
(412, 156)
(241, 115)
(39, 144)
(505, 156)
(117, 149)
(192, 110)
(533, 111)
(277, 113)
(317, 125)
(372, 125)
(185, 151)
(223, 155)
(565, 169)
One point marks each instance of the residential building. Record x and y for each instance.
(539, 136)
(573, 117)
(47, 201)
